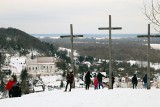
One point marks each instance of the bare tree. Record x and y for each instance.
(152, 12)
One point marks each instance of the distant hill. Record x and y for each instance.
(13, 40)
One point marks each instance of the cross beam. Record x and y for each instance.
(139, 36)
(110, 28)
(107, 28)
(148, 54)
(71, 36)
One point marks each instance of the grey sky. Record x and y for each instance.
(54, 16)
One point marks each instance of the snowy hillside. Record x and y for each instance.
(87, 98)
(155, 46)
(17, 64)
(69, 51)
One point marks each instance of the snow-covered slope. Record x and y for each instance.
(87, 98)
(17, 64)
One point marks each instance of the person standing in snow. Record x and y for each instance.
(70, 78)
(9, 85)
(88, 80)
(99, 76)
(16, 90)
(95, 82)
(112, 80)
(145, 81)
(126, 80)
(134, 81)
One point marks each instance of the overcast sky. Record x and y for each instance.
(55, 16)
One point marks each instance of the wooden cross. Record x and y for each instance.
(110, 28)
(148, 54)
(71, 36)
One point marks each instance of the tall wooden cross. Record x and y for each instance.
(71, 36)
(110, 28)
(148, 54)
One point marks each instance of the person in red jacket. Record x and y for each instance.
(95, 82)
(9, 85)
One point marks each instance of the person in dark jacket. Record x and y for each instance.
(99, 76)
(16, 90)
(112, 80)
(145, 81)
(70, 78)
(88, 80)
(134, 81)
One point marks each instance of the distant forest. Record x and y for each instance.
(122, 49)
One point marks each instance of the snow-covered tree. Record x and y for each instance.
(152, 12)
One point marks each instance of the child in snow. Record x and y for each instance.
(95, 83)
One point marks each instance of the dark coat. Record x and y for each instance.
(113, 79)
(99, 76)
(70, 77)
(16, 90)
(134, 80)
(88, 78)
(145, 79)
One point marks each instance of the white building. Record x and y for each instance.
(41, 65)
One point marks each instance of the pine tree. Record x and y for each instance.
(2, 58)
(2, 84)
(24, 81)
(14, 77)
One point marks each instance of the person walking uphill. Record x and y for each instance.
(145, 81)
(134, 81)
(88, 79)
(9, 86)
(99, 76)
(70, 78)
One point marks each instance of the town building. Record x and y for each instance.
(41, 66)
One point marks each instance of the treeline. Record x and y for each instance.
(123, 52)
(122, 49)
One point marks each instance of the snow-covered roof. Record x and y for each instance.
(87, 63)
(45, 59)
(41, 60)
